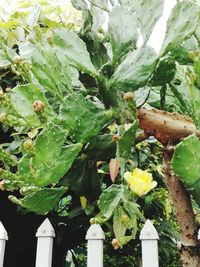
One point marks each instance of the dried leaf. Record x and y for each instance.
(113, 169)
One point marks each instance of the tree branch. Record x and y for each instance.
(165, 126)
(184, 212)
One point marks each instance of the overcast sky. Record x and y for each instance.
(159, 30)
(155, 39)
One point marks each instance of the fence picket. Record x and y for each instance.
(45, 235)
(149, 237)
(3, 239)
(95, 237)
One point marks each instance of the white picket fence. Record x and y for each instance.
(95, 237)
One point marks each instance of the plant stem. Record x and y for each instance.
(181, 200)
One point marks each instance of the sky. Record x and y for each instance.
(155, 39)
(158, 34)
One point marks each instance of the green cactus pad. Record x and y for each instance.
(7, 158)
(135, 70)
(23, 98)
(164, 72)
(186, 164)
(82, 118)
(123, 31)
(181, 24)
(49, 160)
(75, 50)
(43, 200)
(79, 4)
(186, 159)
(50, 71)
(148, 13)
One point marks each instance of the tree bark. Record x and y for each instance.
(190, 251)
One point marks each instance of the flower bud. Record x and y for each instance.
(128, 96)
(10, 197)
(28, 144)
(115, 138)
(38, 106)
(115, 243)
(2, 185)
(17, 59)
(1, 93)
(92, 220)
(2, 117)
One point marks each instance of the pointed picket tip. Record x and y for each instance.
(149, 232)
(3, 232)
(45, 229)
(95, 232)
(199, 234)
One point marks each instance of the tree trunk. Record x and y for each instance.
(190, 251)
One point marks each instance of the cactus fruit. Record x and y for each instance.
(23, 98)
(38, 106)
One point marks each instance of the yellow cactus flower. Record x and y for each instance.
(140, 182)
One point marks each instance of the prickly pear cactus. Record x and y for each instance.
(135, 70)
(68, 109)
(181, 24)
(185, 163)
(50, 70)
(85, 124)
(123, 31)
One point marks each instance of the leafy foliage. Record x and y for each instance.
(68, 104)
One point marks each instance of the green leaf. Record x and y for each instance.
(135, 70)
(101, 148)
(133, 209)
(148, 13)
(109, 200)
(43, 200)
(120, 222)
(126, 138)
(123, 31)
(23, 98)
(87, 122)
(181, 24)
(83, 179)
(75, 50)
